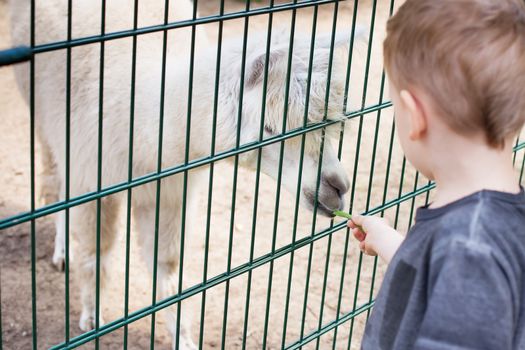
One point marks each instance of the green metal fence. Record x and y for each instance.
(329, 305)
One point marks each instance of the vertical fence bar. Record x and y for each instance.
(235, 173)
(99, 171)
(400, 192)
(341, 286)
(159, 169)
(130, 170)
(516, 145)
(345, 105)
(186, 160)
(312, 232)
(382, 88)
(67, 170)
(350, 56)
(352, 195)
(257, 175)
(311, 247)
(385, 191)
(363, 102)
(279, 175)
(327, 101)
(32, 176)
(413, 202)
(212, 167)
(319, 172)
(522, 168)
(370, 183)
(299, 175)
(371, 180)
(427, 195)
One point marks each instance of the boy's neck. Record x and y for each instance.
(474, 167)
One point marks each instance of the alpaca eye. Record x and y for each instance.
(269, 130)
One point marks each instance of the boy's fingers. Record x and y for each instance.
(371, 252)
(362, 247)
(359, 235)
(358, 221)
(365, 250)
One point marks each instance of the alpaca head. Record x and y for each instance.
(304, 102)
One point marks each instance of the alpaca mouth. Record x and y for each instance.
(324, 210)
(320, 207)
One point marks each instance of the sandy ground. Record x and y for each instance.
(50, 291)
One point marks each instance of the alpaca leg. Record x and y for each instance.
(59, 255)
(50, 185)
(48, 193)
(167, 260)
(60, 241)
(84, 222)
(168, 286)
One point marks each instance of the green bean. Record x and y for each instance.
(342, 214)
(346, 216)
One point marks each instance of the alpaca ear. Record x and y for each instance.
(256, 70)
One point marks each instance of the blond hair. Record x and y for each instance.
(468, 56)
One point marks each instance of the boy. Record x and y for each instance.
(457, 79)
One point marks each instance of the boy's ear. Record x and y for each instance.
(417, 114)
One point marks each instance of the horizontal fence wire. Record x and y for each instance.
(75, 201)
(234, 272)
(24, 53)
(329, 326)
(15, 55)
(109, 190)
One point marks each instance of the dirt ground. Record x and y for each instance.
(15, 262)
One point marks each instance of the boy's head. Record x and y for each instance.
(467, 57)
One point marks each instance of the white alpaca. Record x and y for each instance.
(50, 96)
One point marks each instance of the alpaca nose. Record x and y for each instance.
(327, 199)
(337, 181)
(331, 194)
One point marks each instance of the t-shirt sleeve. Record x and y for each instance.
(470, 302)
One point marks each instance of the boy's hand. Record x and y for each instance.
(375, 236)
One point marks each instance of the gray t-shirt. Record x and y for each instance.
(458, 279)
